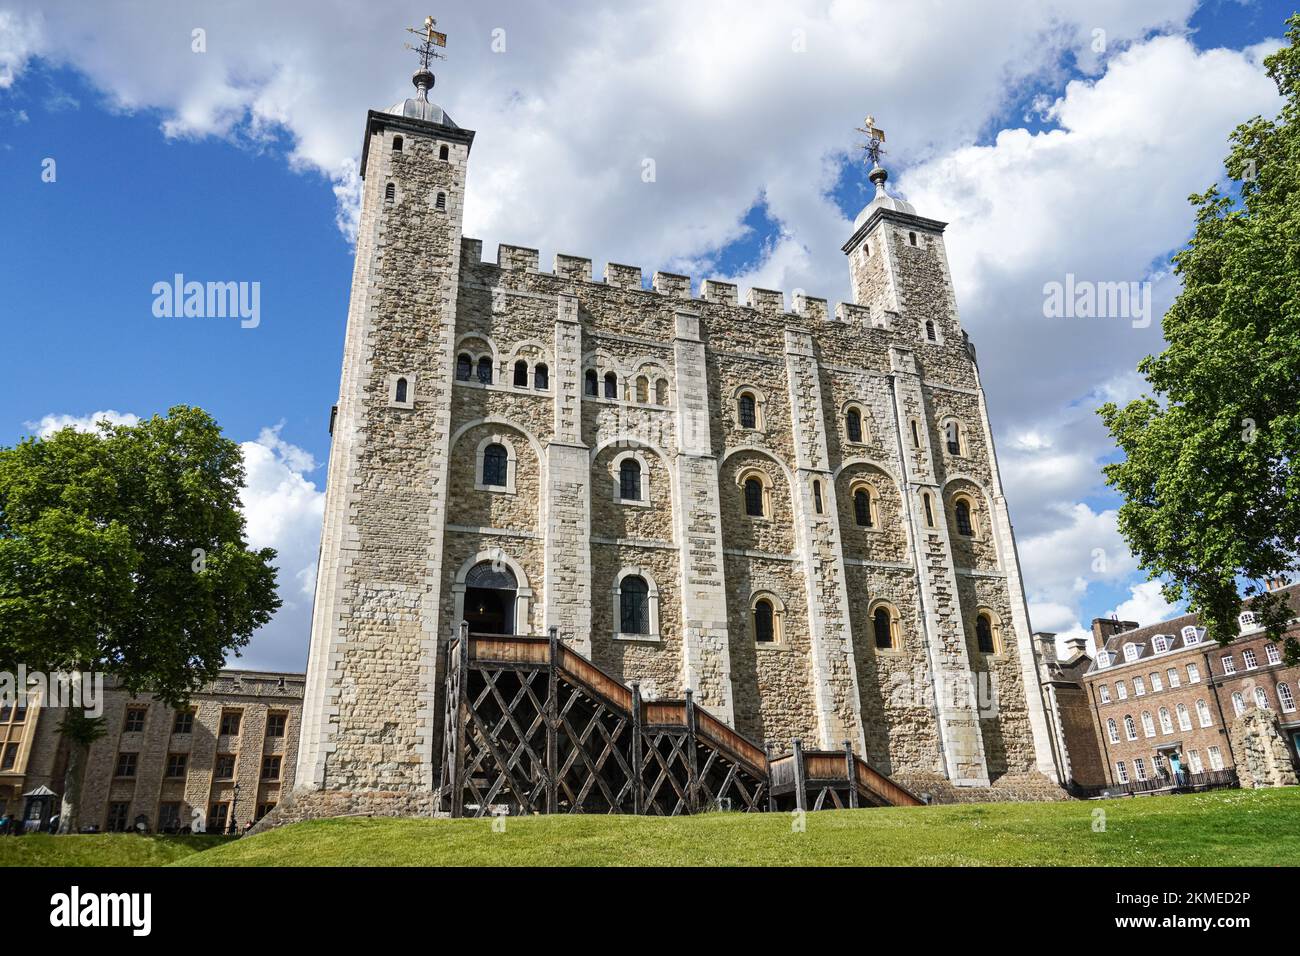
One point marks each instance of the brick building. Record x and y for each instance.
(1168, 692)
(792, 509)
(229, 754)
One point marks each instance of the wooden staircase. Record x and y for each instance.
(531, 726)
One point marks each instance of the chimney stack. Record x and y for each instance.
(1104, 628)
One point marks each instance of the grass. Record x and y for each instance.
(1223, 828)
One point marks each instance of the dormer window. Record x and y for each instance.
(1191, 635)
(1160, 643)
(1131, 652)
(1103, 659)
(1247, 620)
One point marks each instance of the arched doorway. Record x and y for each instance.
(490, 599)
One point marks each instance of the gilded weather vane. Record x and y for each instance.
(875, 137)
(429, 40)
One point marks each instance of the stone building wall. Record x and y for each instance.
(408, 516)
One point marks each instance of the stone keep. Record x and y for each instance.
(448, 357)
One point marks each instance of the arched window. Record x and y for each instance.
(1261, 698)
(853, 425)
(883, 628)
(485, 370)
(442, 152)
(1166, 722)
(521, 374)
(754, 498)
(397, 144)
(1285, 697)
(747, 410)
(1148, 724)
(1238, 703)
(1112, 730)
(634, 606)
(817, 495)
(541, 376)
(642, 389)
(1130, 728)
(661, 392)
(390, 192)
(629, 480)
(952, 433)
(464, 367)
(984, 634)
(764, 622)
(1203, 713)
(929, 510)
(1184, 717)
(399, 395)
(862, 507)
(441, 202)
(929, 330)
(495, 466)
(961, 507)
(593, 382)
(611, 385)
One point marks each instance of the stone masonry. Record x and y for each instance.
(737, 422)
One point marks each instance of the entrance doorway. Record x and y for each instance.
(490, 594)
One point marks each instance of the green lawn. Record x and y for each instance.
(1224, 828)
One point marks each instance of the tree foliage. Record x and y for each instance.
(123, 550)
(1210, 480)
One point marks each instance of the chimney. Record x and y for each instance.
(1074, 646)
(1046, 641)
(1106, 627)
(1277, 582)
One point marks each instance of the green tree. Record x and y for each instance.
(123, 551)
(1210, 481)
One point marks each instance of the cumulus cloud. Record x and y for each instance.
(49, 424)
(1146, 605)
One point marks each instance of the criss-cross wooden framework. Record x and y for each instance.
(533, 727)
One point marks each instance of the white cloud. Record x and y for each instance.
(1146, 605)
(50, 424)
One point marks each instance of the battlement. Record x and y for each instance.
(673, 285)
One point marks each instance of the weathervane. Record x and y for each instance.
(429, 38)
(875, 137)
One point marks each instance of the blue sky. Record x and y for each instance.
(234, 166)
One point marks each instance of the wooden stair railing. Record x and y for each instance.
(532, 726)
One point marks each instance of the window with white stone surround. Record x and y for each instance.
(630, 475)
(767, 618)
(401, 390)
(488, 464)
(636, 606)
(1272, 654)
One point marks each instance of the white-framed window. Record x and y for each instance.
(1160, 643)
(1174, 679)
(1131, 652)
(1216, 759)
(1184, 717)
(1193, 674)
(1229, 665)
(1104, 691)
(767, 618)
(494, 465)
(1166, 722)
(1130, 728)
(1203, 713)
(1112, 730)
(1247, 620)
(630, 474)
(401, 390)
(1121, 772)
(1194, 761)
(750, 407)
(1272, 654)
(636, 606)
(1103, 659)
(1285, 698)
(1148, 724)
(1191, 635)
(1248, 658)
(1140, 768)
(1139, 687)
(1121, 690)
(1261, 698)
(1156, 686)
(1158, 765)
(1238, 703)
(755, 492)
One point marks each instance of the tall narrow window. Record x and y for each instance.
(441, 202)
(753, 497)
(911, 237)
(661, 392)
(464, 367)
(390, 192)
(853, 424)
(541, 377)
(593, 382)
(400, 392)
(485, 370)
(443, 152)
(817, 496)
(984, 634)
(634, 606)
(748, 411)
(929, 511)
(642, 389)
(521, 374)
(495, 465)
(611, 385)
(397, 144)
(629, 480)
(929, 330)
(916, 435)
(882, 625)
(953, 435)
(862, 507)
(962, 510)
(764, 631)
